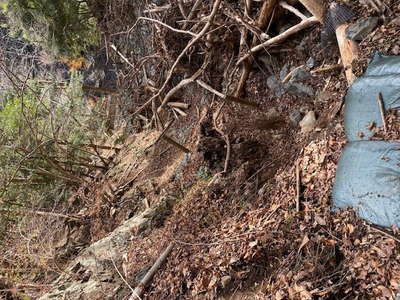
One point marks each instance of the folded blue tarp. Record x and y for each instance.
(368, 173)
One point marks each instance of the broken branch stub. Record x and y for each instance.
(316, 7)
(338, 15)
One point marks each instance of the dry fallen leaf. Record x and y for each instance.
(304, 242)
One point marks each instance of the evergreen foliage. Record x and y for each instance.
(64, 28)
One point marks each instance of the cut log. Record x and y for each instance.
(348, 52)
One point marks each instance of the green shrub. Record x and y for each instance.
(64, 28)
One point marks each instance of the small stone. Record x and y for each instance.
(360, 29)
(308, 123)
(275, 85)
(272, 82)
(299, 89)
(300, 74)
(295, 117)
(310, 63)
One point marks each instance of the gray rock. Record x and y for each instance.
(96, 262)
(360, 29)
(301, 74)
(299, 89)
(295, 117)
(310, 63)
(275, 86)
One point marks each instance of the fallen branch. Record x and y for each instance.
(227, 98)
(176, 144)
(267, 11)
(292, 10)
(121, 55)
(290, 74)
(149, 275)
(179, 111)
(281, 37)
(327, 68)
(370, 226)
(167, 126)
(167, 26)
(178, 105)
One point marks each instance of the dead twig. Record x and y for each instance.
(182, 9)
(210, 19)
(382, 111)
(210, 89)
(327, 68)
(167, 126)
(183, 83)
(149, 275)
(121, 55)
(179, 111)
(293, 10)
(157, 9)
(192, 12)
(383, 232)
(178, 105)
(281, 37)
(167, 26)
(227, 98)
(176, 144)
(290, 74)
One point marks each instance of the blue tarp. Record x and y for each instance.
(368, 173)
